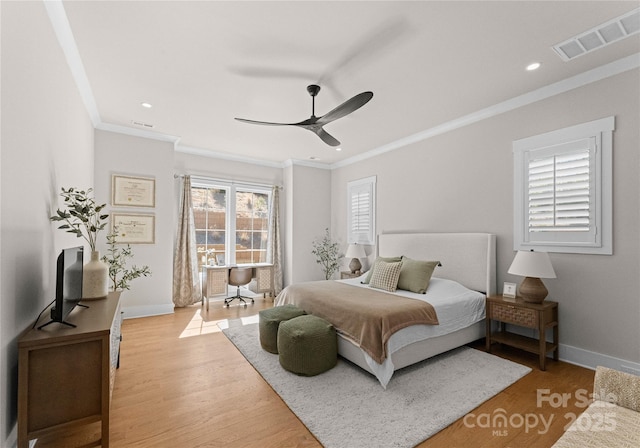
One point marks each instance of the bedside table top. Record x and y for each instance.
(349, 274)
(519, 301)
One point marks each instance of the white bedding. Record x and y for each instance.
(457, 307)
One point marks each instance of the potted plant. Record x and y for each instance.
(85, 218)
(116, 258)
(326, 252)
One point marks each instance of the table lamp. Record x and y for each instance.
(355, 251)
(533, 266)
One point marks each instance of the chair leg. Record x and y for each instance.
(240, 298)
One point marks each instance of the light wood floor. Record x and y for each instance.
(181, 383)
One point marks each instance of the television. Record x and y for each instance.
(69, 271)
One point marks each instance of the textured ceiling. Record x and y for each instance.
(202, 63)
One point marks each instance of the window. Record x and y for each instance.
(232, 222)
(252, 226)
(361, 211)
(562, 190)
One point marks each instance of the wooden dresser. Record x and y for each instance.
(66, 375)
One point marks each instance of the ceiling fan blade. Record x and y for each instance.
(370, 47)
(346, 108)
(264, 123)
(326, 137)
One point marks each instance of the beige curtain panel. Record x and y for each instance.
(274, 249)
(186, 279)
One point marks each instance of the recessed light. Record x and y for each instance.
(533, 66)
(146, 105)
(338, 149)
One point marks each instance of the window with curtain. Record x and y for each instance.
(232, 222)
(562, 190)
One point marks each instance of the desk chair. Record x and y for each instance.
(239, 277)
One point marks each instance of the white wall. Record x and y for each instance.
(47, 143)
(124, 154)
(463, 181)
(308, 214)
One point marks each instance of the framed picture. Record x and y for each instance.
(134, 228)
(133, 191)
(220, 259)
(509, 290)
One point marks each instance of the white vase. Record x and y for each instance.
(95, 281)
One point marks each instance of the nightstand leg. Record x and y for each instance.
(543, 343)
(488, 338)
(556, 353)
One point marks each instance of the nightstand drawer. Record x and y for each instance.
(524, 317)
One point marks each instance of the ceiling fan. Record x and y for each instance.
(315, 124)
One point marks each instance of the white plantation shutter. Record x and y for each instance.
(361, 211)
(559, 190)
(562, 190)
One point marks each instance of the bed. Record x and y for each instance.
(456, 291)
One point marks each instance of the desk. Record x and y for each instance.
(215, 279)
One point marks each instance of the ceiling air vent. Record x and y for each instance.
(600, 36)
(141, 124)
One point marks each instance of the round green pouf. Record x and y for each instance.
(269, 321)
(307, 345)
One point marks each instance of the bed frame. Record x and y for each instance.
(468, 258)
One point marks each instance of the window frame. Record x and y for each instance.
(598, 240)
(366, 185)
(232, 189)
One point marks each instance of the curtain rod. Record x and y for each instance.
(227, 181)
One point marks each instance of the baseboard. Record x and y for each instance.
(591, 360)
(582, 357)
(131, 312)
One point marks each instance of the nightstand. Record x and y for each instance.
(349, 274)
(516, 311)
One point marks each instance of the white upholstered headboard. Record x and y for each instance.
(468, 258)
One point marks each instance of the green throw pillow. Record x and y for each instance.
(387, 259)
(386, 276)
(415, 275)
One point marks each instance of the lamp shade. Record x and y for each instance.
(355, 251)
(532, 264)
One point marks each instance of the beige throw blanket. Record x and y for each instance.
(365, 315)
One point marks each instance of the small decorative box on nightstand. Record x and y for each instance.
(516, 311)
(349, 274)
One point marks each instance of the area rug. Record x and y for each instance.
(347, 408)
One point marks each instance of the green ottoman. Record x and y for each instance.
(307, 345)
(269, 321)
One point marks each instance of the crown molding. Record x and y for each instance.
(226, 156)
(62, 30)
(605, 71)
(307, 163)
(117, 128)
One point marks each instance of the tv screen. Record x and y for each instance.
(68, 283)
